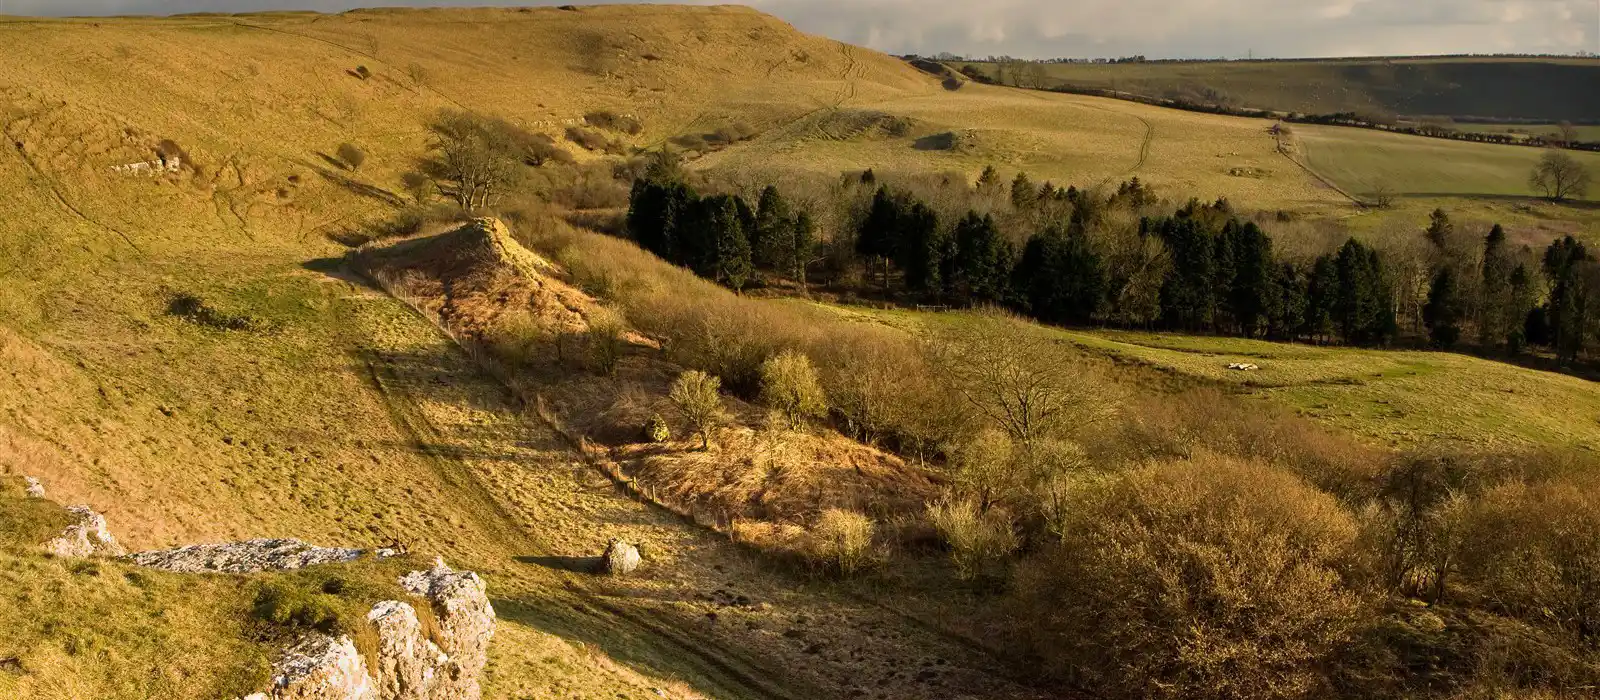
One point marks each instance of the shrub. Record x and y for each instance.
(362, 72)
(539, 149)
(352, 156)
(606, 119)
(695, 393)
(1206, 579)
(789, 384)
(592, 140)
(418, 73)
(979, 541)
(656, 429)
(843, 541)
(1533, 552)
(606, 341)
(292, 608)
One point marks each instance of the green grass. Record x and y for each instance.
(1359, 159)
(1550, 89)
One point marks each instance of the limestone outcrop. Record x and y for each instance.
(320, 668)
(410, 662)
(87, 536)
(250, 556)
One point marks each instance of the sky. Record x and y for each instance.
(1090, 28)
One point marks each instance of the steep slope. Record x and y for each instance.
(183, 350)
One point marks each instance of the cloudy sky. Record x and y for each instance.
(1091, 28)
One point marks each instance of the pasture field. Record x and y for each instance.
(1548, 89)
(1359, 159)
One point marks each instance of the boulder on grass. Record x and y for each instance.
(620, 558)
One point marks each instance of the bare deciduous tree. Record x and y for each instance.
(478, 159)
(1559, 176)
(1031, 386)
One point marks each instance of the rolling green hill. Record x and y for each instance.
(1538, 89)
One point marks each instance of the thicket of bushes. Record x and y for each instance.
(1169, 545)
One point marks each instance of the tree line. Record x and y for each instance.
(1060, 256)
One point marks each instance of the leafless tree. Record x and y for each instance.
(1559, 176)
(1031, 386)
(477, 159)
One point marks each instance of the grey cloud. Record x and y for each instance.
(1047, 28)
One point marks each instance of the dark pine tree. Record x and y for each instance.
(1023, 195)
(1443, 312)
(1322, 299)
(1364, 311)
(1252, 275)
(921, 248)
(876, 239)
(982, 261)
(1497, 312)
(773, 232)
(1188, 294)
(1287, 302)
(1567, 312)
(1061, 277)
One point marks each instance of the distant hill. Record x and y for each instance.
(1466, 88)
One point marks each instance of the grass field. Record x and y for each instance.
(1585, 132)
(1358, 159)
(1550, 89)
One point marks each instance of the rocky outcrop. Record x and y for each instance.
(410, 662)
(250, 556)
(466, 623)
(87, 536)
(620, 558)
(34, 488)
(320, 668)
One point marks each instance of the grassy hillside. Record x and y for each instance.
(286, 398)
(1541, 89)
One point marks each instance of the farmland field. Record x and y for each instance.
(1358, 159)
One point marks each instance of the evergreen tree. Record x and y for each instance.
(1443, 312)
(1061, 276)
(656, 212)
(1497, 315)
(1567, 313)
(1251, 270)
(982, 260)
(728, 260)
(877, 236)
(989, 181)
(1520, 305)
(1322, 298)
(1440, 229)
(1287, 302)
(1023, 195)
(921, 248)
(772, 237)
(1188, 295)
(1364, 311)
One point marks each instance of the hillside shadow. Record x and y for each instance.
(354, 186)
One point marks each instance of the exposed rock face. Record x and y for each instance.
(620, 558)
(247, 557)
(87, 536)
(320, 668)
(409, 665)
(466, 624)
(35, 489)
